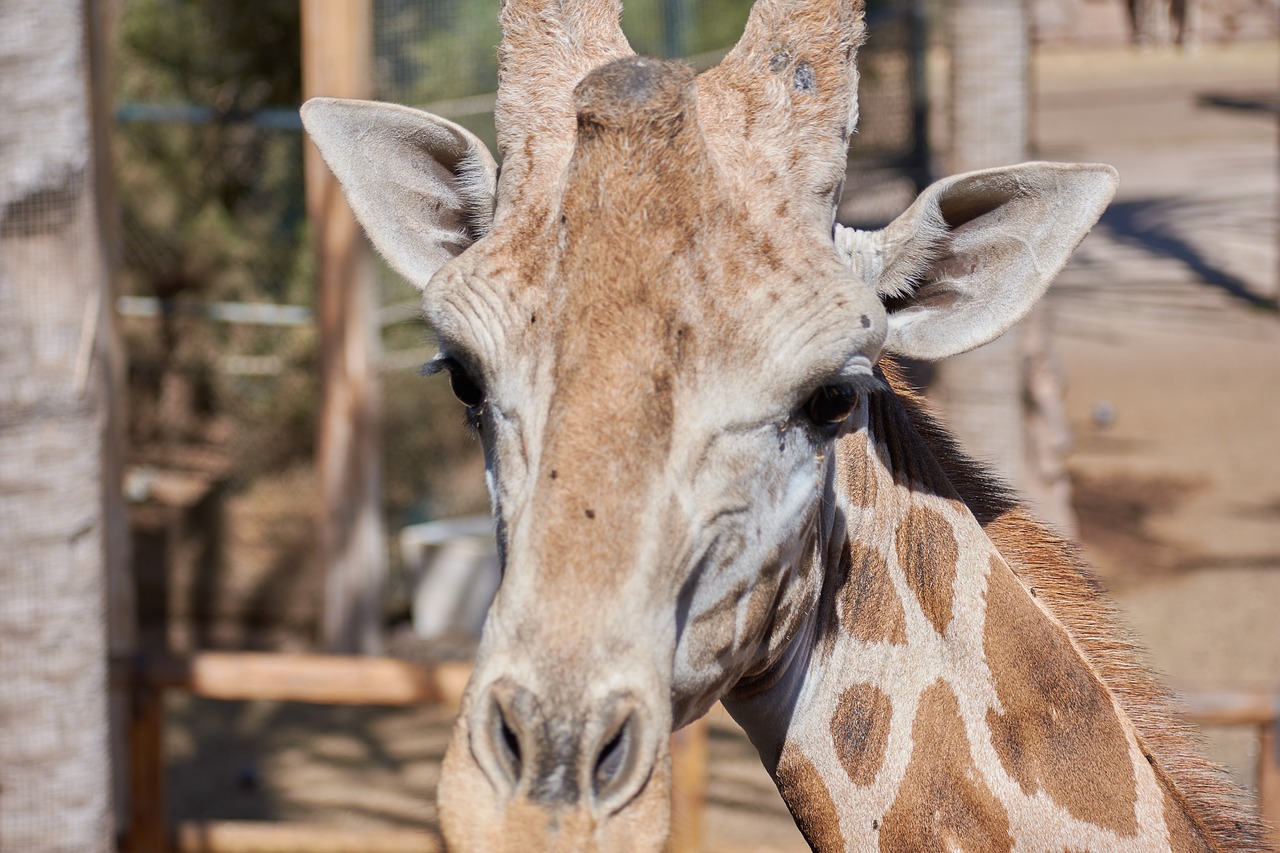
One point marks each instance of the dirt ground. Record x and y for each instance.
(1168, 331)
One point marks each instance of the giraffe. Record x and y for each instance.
(709, 483)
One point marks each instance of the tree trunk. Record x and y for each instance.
(55, 785)
(1003, 399)
(1149, 22)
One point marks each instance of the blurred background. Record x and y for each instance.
(1139, 408)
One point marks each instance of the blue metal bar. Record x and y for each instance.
(269, 118)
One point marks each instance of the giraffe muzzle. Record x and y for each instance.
(552, 754)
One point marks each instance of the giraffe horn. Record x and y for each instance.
(788, 92)
(547, 47)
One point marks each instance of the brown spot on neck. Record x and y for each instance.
(1068, 590)
(929, 557)
(809, 800)
(860, 730)
(943, 803)
(1059, 732)
(856, 479)
(869, 606)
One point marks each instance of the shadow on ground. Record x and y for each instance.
(1149, 224)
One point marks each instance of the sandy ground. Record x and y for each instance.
(1167, 330)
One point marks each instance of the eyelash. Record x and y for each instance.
(468, 391)
(826, 408)
(831, 405)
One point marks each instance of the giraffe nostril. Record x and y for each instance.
(511, 741)
(503, 736)
(599, 756)
(625, 757)
(612, 757)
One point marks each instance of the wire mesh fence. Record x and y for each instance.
(55, 792)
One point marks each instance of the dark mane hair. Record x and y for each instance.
(1063, 581)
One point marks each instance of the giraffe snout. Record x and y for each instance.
(559, 755)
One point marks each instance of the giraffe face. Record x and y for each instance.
(658, 339)
(657, 385)
(656, 485)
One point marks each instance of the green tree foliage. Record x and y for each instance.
(211, 210)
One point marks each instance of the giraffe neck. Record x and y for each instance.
(935, 701)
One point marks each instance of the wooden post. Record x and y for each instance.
(1269, 779)
(148, 827)
(981, 391)
(336, 61)
(688, 787)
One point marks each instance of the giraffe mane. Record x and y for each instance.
(1058, 575)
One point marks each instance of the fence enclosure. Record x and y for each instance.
(384, 681)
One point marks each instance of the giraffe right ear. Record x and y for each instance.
(422, 187)
(975, 252)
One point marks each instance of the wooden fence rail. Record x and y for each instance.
(336, 680)
(1248, 708)
(325, 680)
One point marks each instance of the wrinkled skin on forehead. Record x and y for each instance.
(659, 337)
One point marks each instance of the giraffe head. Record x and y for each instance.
(659, 332)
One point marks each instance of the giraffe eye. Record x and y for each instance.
(831, 405)
(466, 389)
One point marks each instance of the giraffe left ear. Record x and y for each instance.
(422, 187)
(975, 251)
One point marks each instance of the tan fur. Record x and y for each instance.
(851, 465)
(1188, 835)
(782, 140)
(1057, 719)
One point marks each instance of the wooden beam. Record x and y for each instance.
(318, 679)
(1231, 708)
(337, 46)
(1269, 780)
(688, 787)
(147, 831)
(254, 837)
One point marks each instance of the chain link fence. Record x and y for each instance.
(55, 769)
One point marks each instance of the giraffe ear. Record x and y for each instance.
(422, 187)
(975, 251)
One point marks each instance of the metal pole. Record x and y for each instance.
(675, 27)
